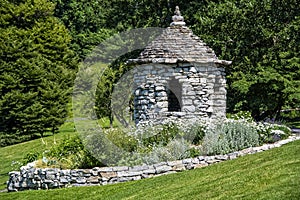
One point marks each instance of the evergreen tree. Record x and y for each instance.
(37, 69)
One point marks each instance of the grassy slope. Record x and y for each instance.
(18, 151)
(274, 174)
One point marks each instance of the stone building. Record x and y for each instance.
(178, 75)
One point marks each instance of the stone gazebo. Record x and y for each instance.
(178, 75)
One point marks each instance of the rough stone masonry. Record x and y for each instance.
(31, 178)
(178, 75)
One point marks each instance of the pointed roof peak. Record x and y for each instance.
(177, 44)
(177, 18)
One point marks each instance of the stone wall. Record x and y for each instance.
(33, 178)
(200, 91)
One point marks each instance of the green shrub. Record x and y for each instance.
(195, 132)
(106, 148)
(228, 136)
(162, 135)
(31, 156)
(149, 143)
(176, 149)
(70, 153)
(121, 139)
(242, 115)
(11, 139)
(270, 133)
(194, 152)
(192, 130)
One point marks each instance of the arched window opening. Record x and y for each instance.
(174, 95)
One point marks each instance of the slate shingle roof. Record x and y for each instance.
(177, 43)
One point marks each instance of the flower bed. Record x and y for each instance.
(35, 178)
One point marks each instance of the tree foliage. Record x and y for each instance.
(85, 21)
(38, 39)
(261, 37)
(107, 83)
(36, 69)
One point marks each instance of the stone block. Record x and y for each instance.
(47, 181)
(105, 169)
(191, 93)
(120, 168)
(151, 170)
(162, 104)
(64, 172)
(187, 161)
(124, 179)
(232, 156)
(93, 179)
(161, 94)
(128, 173)
(201, 158)
(212, 161)
(195, 161)
(108, 175)
(218, 97)
(193, 70)
(174, 163)
(190, 108)
(52, 171)
(187, 101)
(200, 165)
(63, 180)
(161, 98)
(138, 168)
(160, 164)
(162, 169)
(159, 88)
(221, 157)
(50, 176)
(178, 167)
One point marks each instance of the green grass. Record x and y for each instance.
(18, 151)
(274, 174)
(105, 123)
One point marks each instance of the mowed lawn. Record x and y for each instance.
(273, 174)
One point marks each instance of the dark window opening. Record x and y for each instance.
(174, 95)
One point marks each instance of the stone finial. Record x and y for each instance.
(177, 18)
(177, 11)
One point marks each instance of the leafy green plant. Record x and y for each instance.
(194, 133)
(71, 153)
(121, 139)
(228, 136)
(176, 149)
(241, 115)
(194, 152)
(164, 135)
(268, 134)
(31, 156)
(15, 165)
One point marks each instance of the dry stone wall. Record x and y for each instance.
(34, 178)
(199, 89)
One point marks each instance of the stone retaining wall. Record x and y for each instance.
(34, 178)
